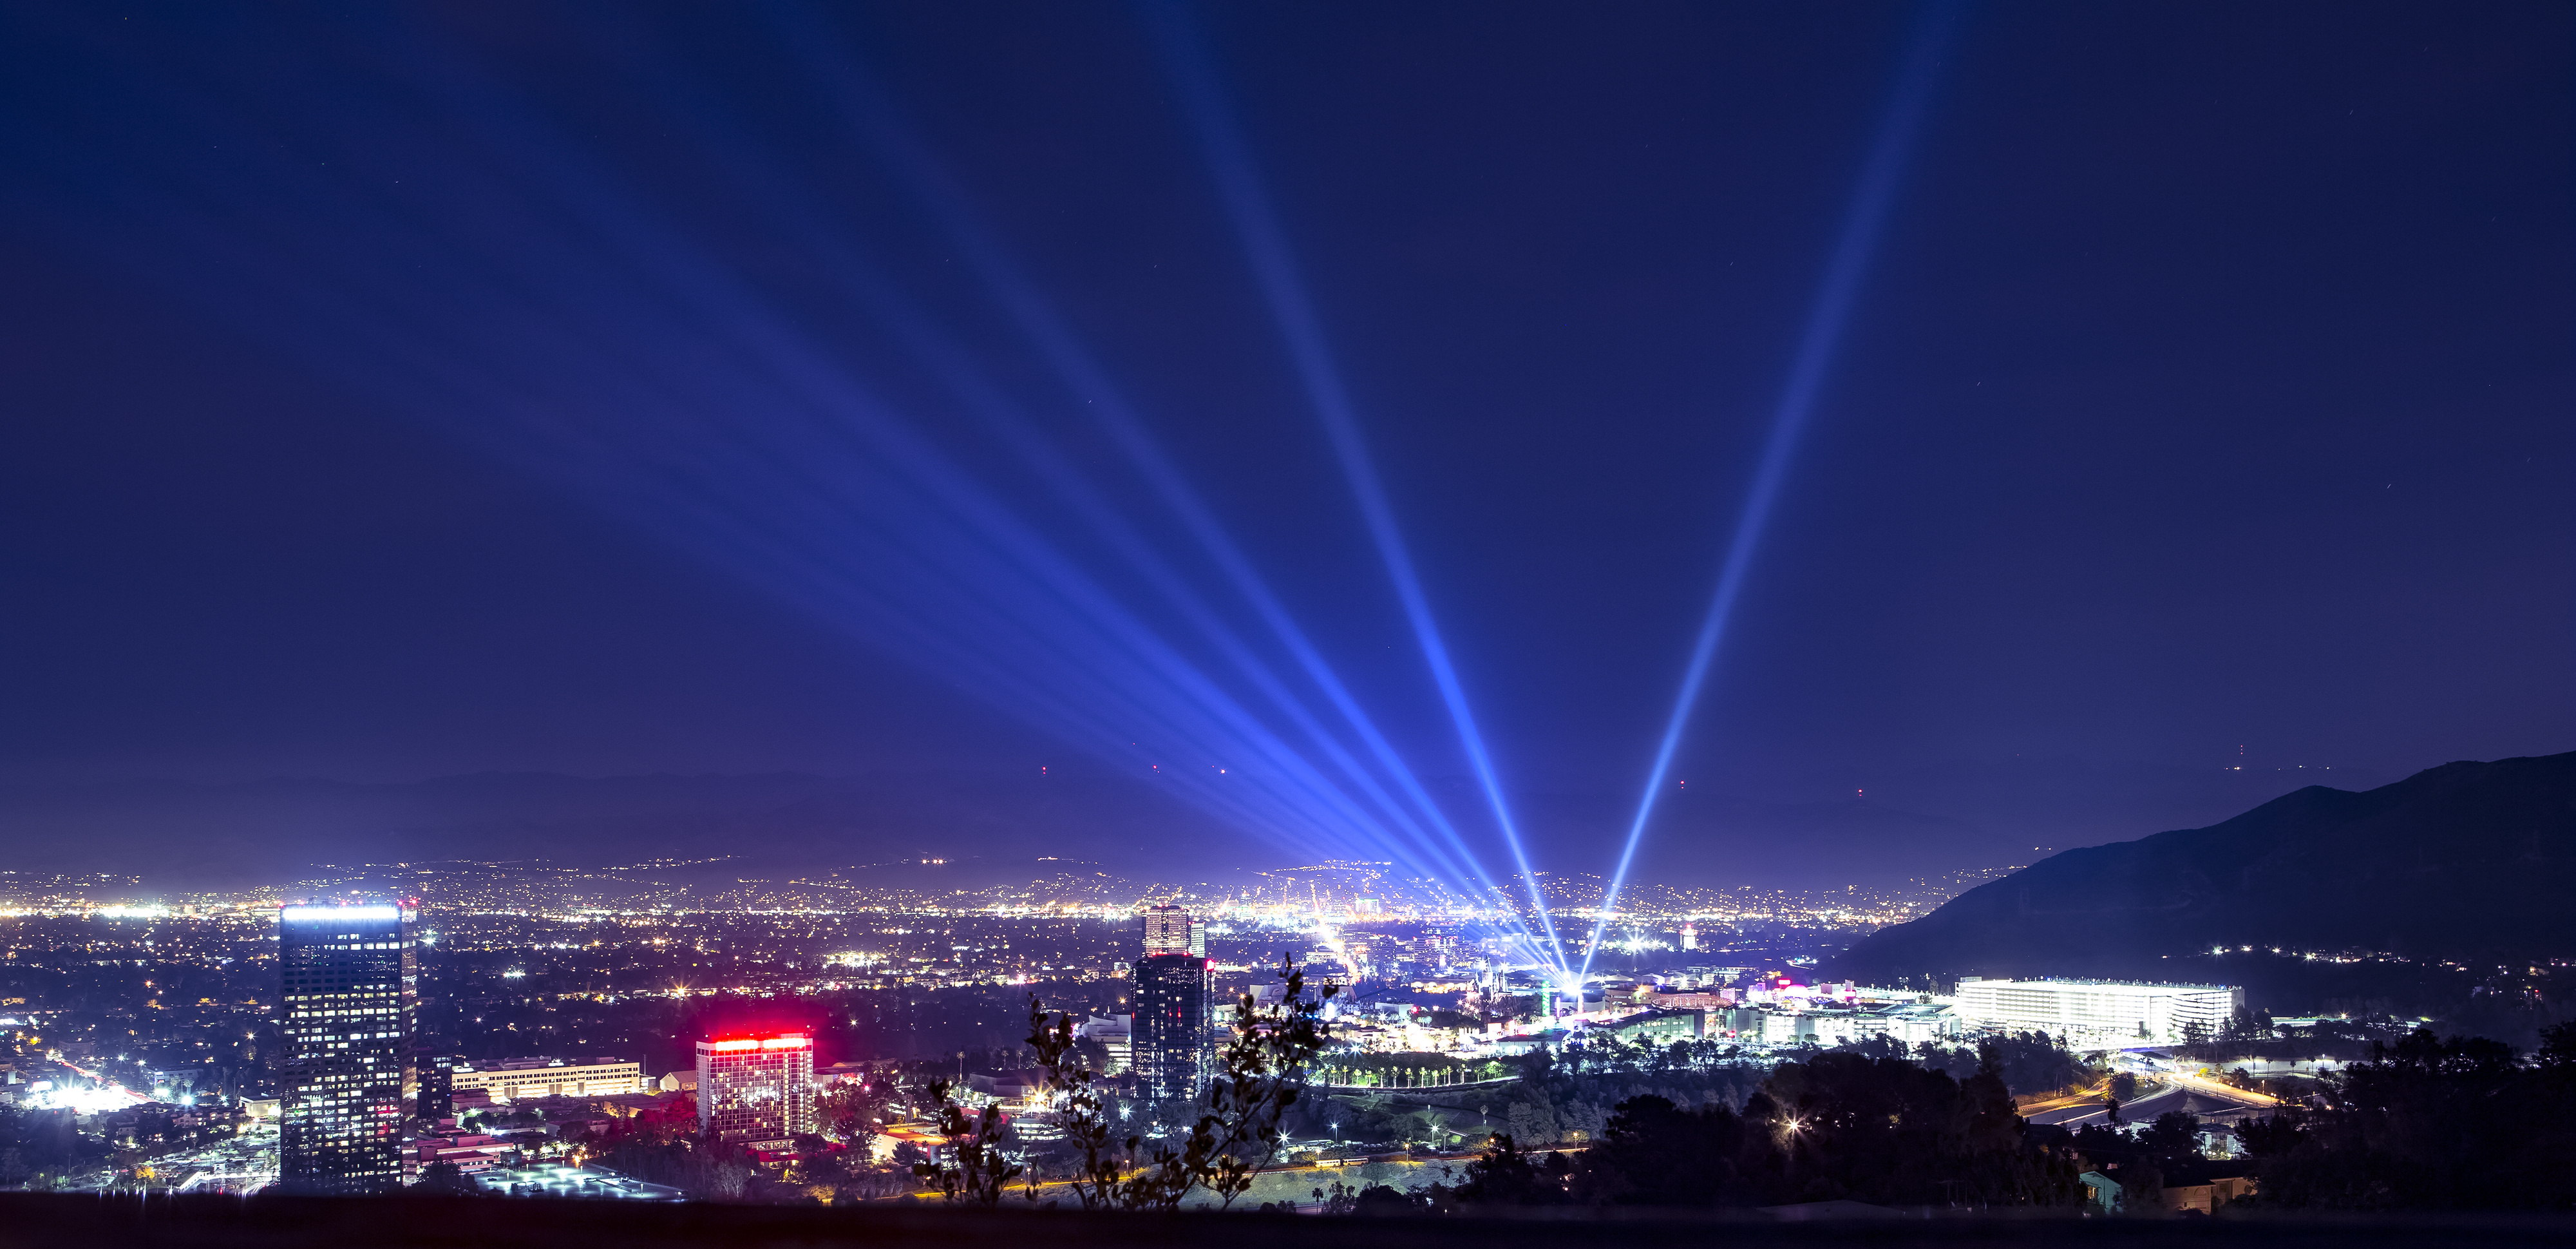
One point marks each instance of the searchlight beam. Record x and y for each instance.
(1266, 248)
(1826, 320)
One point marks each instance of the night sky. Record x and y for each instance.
(392, 394)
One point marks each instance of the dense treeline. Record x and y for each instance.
(1570, 1097)
(1838, 1126)
(38, 1147)
(2430, 1124)
(2028, 1062)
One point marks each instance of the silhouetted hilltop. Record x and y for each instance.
(2467, 861)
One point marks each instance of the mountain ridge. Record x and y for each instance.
(2465, 861)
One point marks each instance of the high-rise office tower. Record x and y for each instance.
(1170, 1041)
(437, 1073)
(1171, 930)
(756, 1090)
(346, 1081)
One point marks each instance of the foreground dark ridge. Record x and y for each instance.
(2472, 862)
(47, 1221)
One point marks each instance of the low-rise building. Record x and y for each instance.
(1116, 1035)
(2206, 1187)
(1688, 999)
(519, 1079)
(1660, 1027)
(469, 1153)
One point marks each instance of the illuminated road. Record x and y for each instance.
(2159, 1093)
(2225, 1092)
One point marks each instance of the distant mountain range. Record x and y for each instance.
(2470, 862)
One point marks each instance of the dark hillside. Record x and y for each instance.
(2474, 862)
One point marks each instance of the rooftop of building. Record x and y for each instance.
(541, 1063)
(2082, 982)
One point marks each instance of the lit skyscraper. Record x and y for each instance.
(350, 985)
(756, 1090)
(1170, 1038)
(1171, 930)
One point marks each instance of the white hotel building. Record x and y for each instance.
(2096, 1012)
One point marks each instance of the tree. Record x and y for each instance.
(847, 1113)
(1381, 1199)
(1653, 1153)
(2273, 1136)
(1505, 1176)
(2173, 1138)
(2032, 1062)
(444, 1177)
(1261, 1070)
(973, 1170)
(2431, 1124)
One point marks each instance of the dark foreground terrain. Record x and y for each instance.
(43, 1221)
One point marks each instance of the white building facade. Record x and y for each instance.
(518, 1079)
(2098, 1012)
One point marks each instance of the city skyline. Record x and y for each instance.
(535, 1037)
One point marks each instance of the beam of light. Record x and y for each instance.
(1863, 223)
(530, 304)
(593, 347)
(953, 366)
(860, 105)
(1265, 246)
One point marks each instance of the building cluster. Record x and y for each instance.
(352, 1077)
(1736, 1005)
(357, 1101)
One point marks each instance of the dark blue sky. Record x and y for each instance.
(391, 396)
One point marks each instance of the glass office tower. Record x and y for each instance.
(346, 1082)
(1171, 1039)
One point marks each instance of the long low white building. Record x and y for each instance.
(2097, 1012)
(520, 1078)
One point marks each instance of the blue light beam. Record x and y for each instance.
(949, 209)
(1265, 246)
(593, 347)
(1862, 226)
(950, 363)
